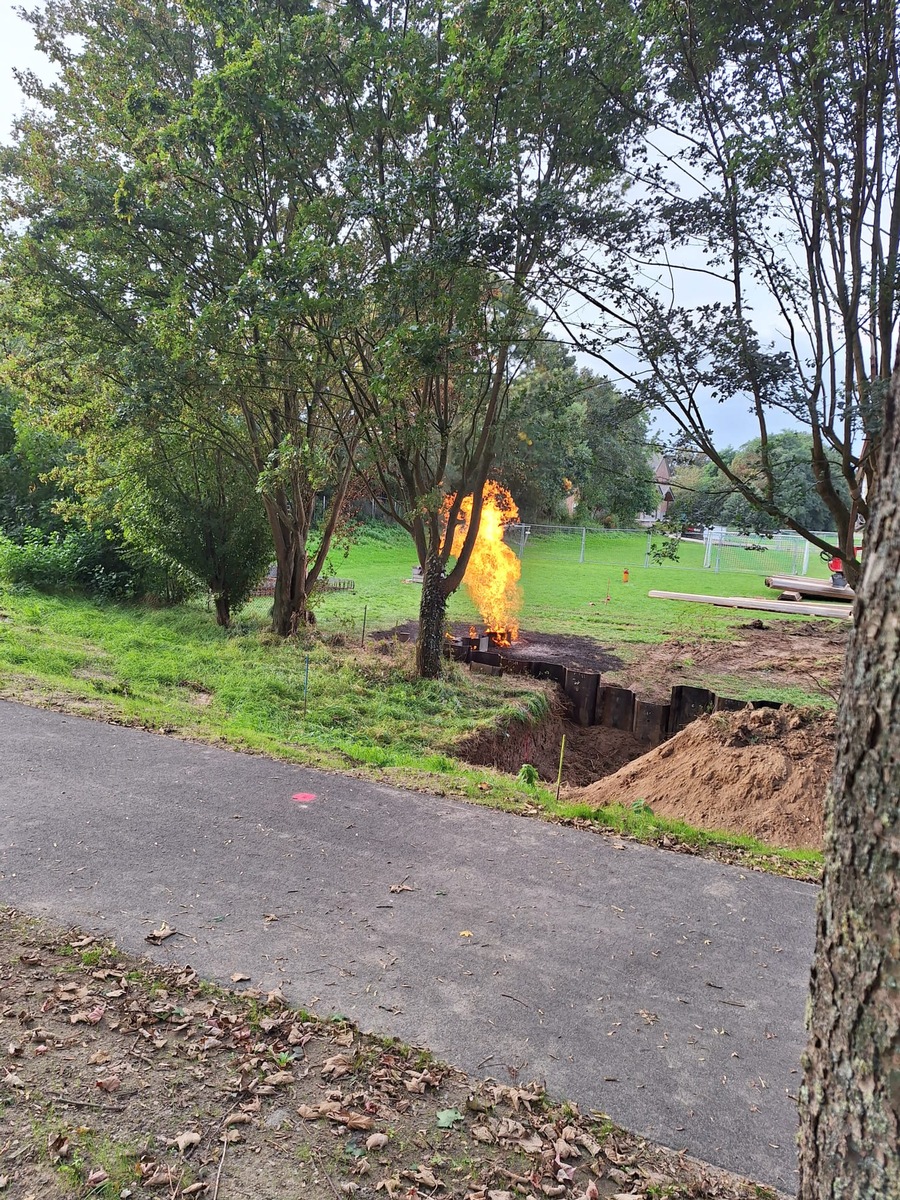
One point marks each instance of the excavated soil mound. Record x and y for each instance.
(761, 772)
(590, 751)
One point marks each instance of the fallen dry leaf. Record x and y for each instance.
(96, 1177)
(185, 1140)
(236, 1118)
(156, 936)
(58, 1147)
(400, 887)
(351, 1119)
(389, 1185)
(91, 1017)
(426, 1176)
(337, 1065)
(376, 1141)
(237, 977)
(111, 1083)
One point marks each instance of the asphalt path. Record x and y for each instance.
(664, 990)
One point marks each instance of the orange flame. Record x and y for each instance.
(493, 572)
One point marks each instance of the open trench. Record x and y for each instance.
(591, 752)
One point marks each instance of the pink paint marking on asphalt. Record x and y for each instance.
(304, 797)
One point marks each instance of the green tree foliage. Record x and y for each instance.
(28, 457)
(479, 140)
(569, 432)
(174, 252)
(196, 507)
(706, 495)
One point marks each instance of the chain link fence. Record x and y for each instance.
(717, 550)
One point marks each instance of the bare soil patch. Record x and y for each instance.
(808, 656)
(124, 1079)
(761, 772)
(570, 650)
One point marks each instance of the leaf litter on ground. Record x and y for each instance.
(243, 1091)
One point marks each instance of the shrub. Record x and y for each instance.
(90, 560)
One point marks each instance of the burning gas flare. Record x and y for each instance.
(493, 571)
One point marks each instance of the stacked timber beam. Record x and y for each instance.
(596, 703)
(793, 607)
(802, 585)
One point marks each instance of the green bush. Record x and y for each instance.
(44, 563)
(86, 559)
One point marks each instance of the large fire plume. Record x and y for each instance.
(492, 576)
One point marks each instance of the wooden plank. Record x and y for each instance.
(842, 611)
(795, 596)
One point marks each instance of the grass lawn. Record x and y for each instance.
(560, 594)
(174, 670)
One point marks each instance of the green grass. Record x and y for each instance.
(560, 594)
(175, 670)
(645, 826)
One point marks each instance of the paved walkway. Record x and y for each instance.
(666, 990)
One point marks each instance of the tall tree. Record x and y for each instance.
(758, 263)
(166, 213)
(480, 139)
(850, 1098)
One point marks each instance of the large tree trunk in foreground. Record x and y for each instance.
(850, 1099)
(432, 620)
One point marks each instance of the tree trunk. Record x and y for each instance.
(432, 620)
(850, 1098)
(222, 602)
(290, 606)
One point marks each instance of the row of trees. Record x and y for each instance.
(294, 242)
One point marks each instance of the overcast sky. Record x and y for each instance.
(732, 423)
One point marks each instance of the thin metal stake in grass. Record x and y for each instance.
(306, 688)
(562, 750)
(362, 640)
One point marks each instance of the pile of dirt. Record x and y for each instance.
(761, 772)
(590, 751)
